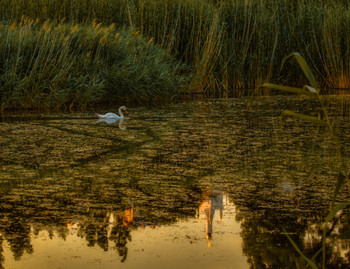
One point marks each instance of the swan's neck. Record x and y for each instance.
(123, 128)
(120, 113)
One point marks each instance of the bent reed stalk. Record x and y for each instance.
(313, 91)
(227, 45)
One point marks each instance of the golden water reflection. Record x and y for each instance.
(76, 246)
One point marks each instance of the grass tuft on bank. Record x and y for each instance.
(46, 65)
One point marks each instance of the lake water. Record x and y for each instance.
(203, 184)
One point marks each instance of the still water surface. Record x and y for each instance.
(207, 184)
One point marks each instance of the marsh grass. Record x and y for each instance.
(228, 46)
(322, 119)
(72, 65)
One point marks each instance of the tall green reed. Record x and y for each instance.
(67, 65)
(244, 41)
(322, 119)
(230, 45)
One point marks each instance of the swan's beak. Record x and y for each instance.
(126, 110)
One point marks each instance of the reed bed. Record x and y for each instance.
(64, 66)
(227, 45)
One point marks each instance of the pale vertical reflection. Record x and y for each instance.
(213, 201)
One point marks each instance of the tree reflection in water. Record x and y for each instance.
(121, 235)
(261, 221)
(17, 234)
(264, 214)
(2, 258)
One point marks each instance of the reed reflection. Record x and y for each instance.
(269, 208)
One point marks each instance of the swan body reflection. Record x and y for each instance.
(112, 121)
(111, 115)
(111, 118)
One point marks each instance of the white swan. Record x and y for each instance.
(111, 115)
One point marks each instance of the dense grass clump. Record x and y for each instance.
(229, 45)
(66, 65)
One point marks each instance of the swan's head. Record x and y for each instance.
(124, 108)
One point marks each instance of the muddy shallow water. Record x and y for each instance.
(208, 184)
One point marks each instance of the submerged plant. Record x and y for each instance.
(321, 120)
